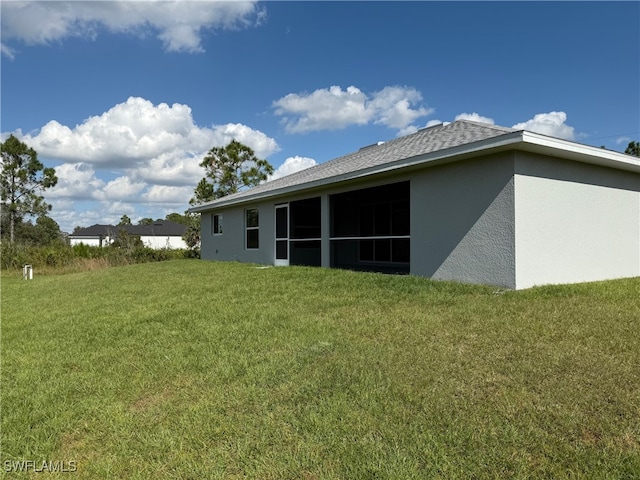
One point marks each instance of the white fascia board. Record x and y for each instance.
(538, 143)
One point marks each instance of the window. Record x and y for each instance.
(216, 224)
(252, 228)
(371, 228)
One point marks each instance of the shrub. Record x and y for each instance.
(191, 253)
(62, 258)
(81, 250)
(12, 256)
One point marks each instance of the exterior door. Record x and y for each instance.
(282, 235)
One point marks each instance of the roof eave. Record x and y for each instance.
(538, 143)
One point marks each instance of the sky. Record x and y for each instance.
(125, 98)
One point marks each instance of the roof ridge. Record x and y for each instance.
(483, 124)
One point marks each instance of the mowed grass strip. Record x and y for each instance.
(193, 369)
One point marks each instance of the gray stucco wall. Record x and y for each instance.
(230, 246)
(462, 223)
(574, 222)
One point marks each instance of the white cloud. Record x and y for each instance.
(163, 194)
(133, 133)
(326, 109)
(407, 130)
(123, 188)
(153, 150)
(292, 165)
(334, 108)
(261, 144)
(433, 123)
(7, 51)
(172, 169)
(392, 106)
(68, 216)
(552, 123)
(178, 24)
(475, 117)
(124, 135)
(76, 181)
(114, 210)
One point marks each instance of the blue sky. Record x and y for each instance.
(125, 98)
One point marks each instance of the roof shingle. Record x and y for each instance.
(427, 140)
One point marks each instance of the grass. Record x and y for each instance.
(191, 369)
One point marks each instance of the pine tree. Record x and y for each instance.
(22, 180)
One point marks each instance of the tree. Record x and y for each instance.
(22, 180)
(124, 220)
(177, 218)
(229, 169)
(47, 231)
(192, 234)
(204, 192)
(146, 221)
(127, 241)
(633, 149)
(44, 232)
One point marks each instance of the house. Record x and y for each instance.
(94, 236)
(160, 234)
(464, 201)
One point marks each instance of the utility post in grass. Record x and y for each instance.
(22, 180)
(228, 170)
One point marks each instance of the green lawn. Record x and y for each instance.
(199, 370)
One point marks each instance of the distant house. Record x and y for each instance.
(94, 236)
(160, 234)
(465, 201)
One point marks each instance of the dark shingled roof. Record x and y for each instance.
(427, 140)
(162, 228)
(95, 231)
